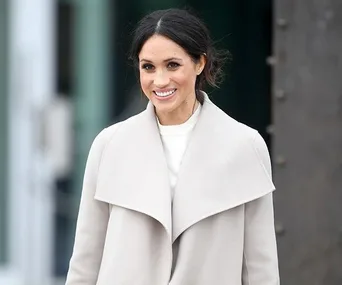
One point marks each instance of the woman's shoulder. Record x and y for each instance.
(251, 138)
(106, 134)
(242, 138)
(231, 127)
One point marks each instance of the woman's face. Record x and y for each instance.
(167, 77)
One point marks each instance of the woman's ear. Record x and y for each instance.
(201, 64)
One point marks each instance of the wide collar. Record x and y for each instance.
(220, 170)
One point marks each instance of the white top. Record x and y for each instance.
(175, 139)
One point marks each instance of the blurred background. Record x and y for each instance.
(64, 75)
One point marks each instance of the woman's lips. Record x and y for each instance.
(164, 94)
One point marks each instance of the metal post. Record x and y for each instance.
(308, 140)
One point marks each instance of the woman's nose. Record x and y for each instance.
(161, 79)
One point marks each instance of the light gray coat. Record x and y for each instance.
(218, 230)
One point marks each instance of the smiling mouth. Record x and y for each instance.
(165, 94)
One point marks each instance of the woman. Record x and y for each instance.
(181, 193)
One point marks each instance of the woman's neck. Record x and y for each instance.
(178, 116)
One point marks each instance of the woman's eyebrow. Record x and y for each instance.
(172, 58)
(166, 60)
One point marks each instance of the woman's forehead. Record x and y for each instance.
(161, 48)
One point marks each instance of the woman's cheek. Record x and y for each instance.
(145, 85)
(143, 81)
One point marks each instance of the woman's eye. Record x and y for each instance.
(173, 65)
(147, 66)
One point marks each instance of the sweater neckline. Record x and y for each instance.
(180, 129)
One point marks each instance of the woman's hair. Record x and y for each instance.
(189, 32)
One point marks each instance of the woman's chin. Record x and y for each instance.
(164, 105)
(163, 108)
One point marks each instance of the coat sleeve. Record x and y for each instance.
(91, 224)
(260, 260)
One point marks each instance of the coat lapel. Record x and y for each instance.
(220, 170)
(133, 172)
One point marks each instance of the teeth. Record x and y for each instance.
(164, 94)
